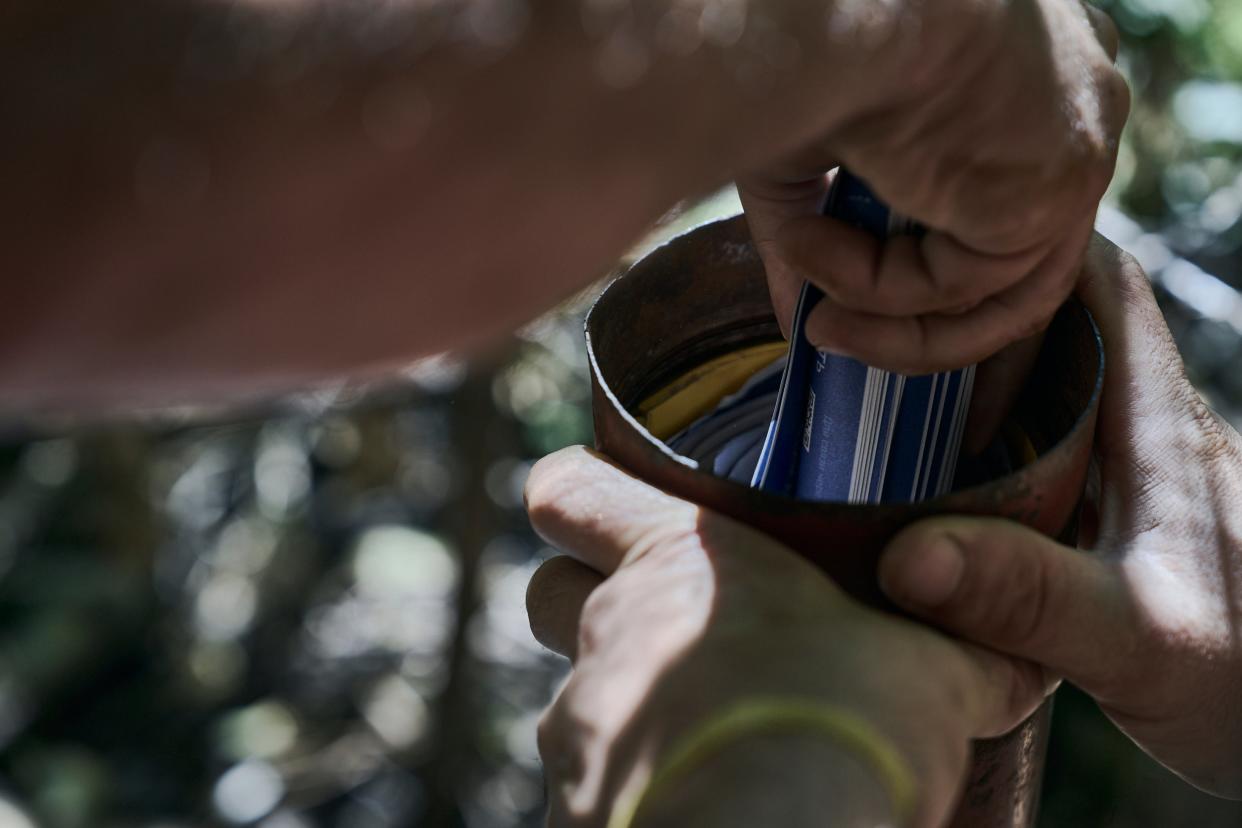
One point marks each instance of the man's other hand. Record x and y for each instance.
(1150, 623)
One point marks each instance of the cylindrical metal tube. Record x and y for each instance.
(703, 295)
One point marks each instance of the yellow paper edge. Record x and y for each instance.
(701, 389)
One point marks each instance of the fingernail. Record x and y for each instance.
(925, 575)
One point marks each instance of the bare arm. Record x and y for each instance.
(206, 197)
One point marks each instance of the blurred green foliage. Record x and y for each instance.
(1180, 157)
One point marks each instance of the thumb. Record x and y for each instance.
(1004, 586)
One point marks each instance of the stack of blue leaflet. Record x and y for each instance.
(817, 426)
(843, 431)
(729, 439)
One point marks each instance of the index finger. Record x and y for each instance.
(593, 511)
(899, 276)
(943, 341)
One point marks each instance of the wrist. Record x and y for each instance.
(791, 780)
(773, 760)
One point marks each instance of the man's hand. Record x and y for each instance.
(1002, 146)
(672, 613)
(1151, 623)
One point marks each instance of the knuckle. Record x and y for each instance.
(1109, 36)
(937, 189)
(1012, 229)
(1119, 96)
(679, 535)
(1118, 266)
(1128, 265)
(1020, 608)
(545, 480)
(595, 623)
(545, 514)
(550, 734)
(1133, 288)
(545, 733)
(917, 177)
(1113, 100)
(954, 293)
(1026, 322)
(1028, 686)
(1037, 322)
(553, 479)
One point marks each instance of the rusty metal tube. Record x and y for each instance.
(704, 294)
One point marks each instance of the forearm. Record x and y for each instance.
(207, 197)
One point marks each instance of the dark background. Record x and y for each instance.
(313, 615)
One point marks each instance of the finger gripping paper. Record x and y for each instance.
(819, 426)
